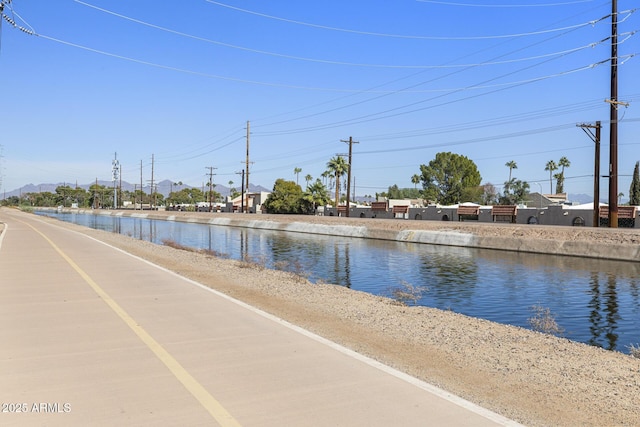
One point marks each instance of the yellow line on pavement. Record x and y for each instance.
(214, 407)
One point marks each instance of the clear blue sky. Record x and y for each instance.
(494, 80)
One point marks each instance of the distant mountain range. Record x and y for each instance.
(164, 187)
(579, 199)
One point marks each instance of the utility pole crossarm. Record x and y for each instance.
(615, 103)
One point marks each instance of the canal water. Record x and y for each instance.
(595, 302)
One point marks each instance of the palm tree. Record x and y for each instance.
(559, 182)
(308, 178)
(511, 165)
(316, 195)
(415, 180)
(297, 171)
(551, 166)
(325, 175)
(620, 196)
(338, 166)
(563, 163)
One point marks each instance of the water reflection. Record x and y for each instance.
(449, 279)
(302, 256)
(604, 315)
(612, 317)
(595, 301)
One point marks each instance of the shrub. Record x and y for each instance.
(175, 245)
(634, 350)
(407, 292)
(258, 263)
(544, 321)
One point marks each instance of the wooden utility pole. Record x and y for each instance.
(151, 194)
(247, 166)
(211, 168)
(120, 188)
(242, 192)
(350, 142)
(613, 122)
(141, 189)
(116, 172)
(596, 171)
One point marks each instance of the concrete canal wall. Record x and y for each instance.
(491, 236)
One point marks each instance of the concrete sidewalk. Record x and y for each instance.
(93, 336)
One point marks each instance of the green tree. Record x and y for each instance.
(187, 196)
(65, 195)
(518, 193)
(297, 171)
(563, 163)
(415, 180)
(448, 178)
(315, 195)
(559, 182)
(10, 201)
(308, 178)
(634, 190)
(99, 196)
(45, 198)
(472, 194)
(551, 166)
(286, 198)
(394, 192)
(233, 191)
(511, 165)
(325, 176)
(338, 167)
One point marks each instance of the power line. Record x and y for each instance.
(513, 5)
(389, 112)
(333, 62)
(371, 33)
(406, 89)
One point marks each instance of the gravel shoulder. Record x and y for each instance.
(536, 379)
